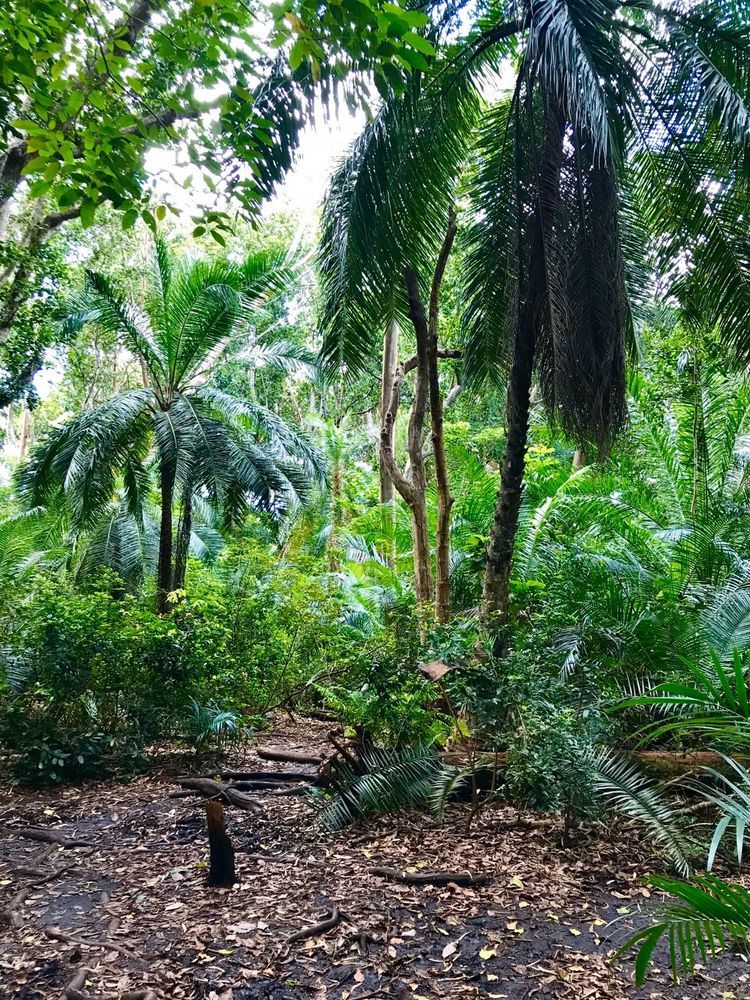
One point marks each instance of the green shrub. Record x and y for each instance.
(91, 668)
(552, 764)
(385, 698)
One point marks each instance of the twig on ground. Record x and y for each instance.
(11, 915)
(74, 989)
(58, 935)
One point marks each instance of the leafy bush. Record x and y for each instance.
(551, 765)
(94, 675)
(75, 757)
(385, 698)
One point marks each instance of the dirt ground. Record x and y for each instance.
(133, 910)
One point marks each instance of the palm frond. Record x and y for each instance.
(702, 917)
(624, 788)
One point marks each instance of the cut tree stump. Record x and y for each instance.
(221, 853)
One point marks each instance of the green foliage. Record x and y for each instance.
(83, 95)
(551, 764)
(394, 780)
(711, 703)
(386, 699)
(621, 786)
(211, 729)
(703, 916)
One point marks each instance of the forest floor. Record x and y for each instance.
(133, 910)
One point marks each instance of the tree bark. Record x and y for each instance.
(412, 488)
(164, 568)
(445, 498)
(184, 532)
(390, 356)
(387, 493)
(23, 447)
(531, 309)
(505, 522)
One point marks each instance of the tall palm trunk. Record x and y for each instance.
(184, 532)
(164, 569)
(533, 305)
(508, 505)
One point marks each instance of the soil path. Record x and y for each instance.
(133, 910)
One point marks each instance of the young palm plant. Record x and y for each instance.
(607, 96)
(203, 441)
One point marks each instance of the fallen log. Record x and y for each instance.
(52, 837)
(258, 786)
(224, 793)
(293, 756)
(294, 790)
(327, 924)
(284, 776)
(429, 878)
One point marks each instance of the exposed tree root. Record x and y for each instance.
(11, 915)
(328, 923)
(105, 945)
(74, 989)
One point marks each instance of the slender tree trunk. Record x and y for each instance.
(25, 434)
(445, 497)
(390, 355)
(412, 488)
(184, 532)
(387, 494)
(426, 330)
(532, 307)
(164, 569)
(414, 445)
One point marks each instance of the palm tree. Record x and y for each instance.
(614, 103)
(203, 441)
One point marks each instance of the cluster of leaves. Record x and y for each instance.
(83, 97)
